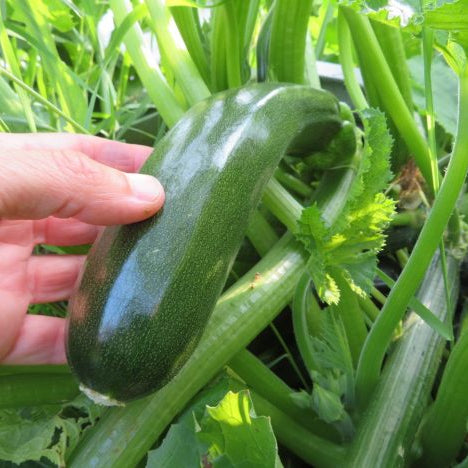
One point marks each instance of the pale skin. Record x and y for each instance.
(58, 189)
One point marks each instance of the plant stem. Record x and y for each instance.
(312, 449)
(219, 80)
(145, 64)
(288, 40)
(373, 60)
(282, 204)
(293, 183)
(345, 45)
(261, 234)
(233, 45)
(352, 317)
(247, 13)
(173, 47)
(34, 369)
(268, 385)
(428, 38)
(289, 356)
(327, 17)
(20, 390)
(395, 306)
(370, 309)
(444, 430)
(189, 27)
(393, 48)
(300, 325)
(387, 428)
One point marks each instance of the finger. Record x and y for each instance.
(121, 156)
(38, 184)
(51, 278)
(69, 231)
(40, 341)
(13, 309)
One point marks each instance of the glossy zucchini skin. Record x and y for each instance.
(148, 289)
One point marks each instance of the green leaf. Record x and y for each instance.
(451, 16)
(404, 14)
(236, 436)
(55, 12)
(179, 448)
(328, 404)
(24, 439)
(196, 3)
(331, 347)
(350, 245)
(333, 381)
(227, 434)
(46, 432)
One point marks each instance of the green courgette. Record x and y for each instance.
(148, 289)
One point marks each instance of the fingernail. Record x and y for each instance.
(145, 187)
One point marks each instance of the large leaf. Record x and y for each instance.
(218, 429)
(236, 436)
(46, 432)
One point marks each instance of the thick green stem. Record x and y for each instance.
(288, 40)
(393, 48)
(374, 62)
(174, 50)
(261, 234)
(189, 27)
(267, 384)
(387, 428)
(300, 306)
(444, 430)
(312, 76)
(345, 45)
(20, 390)
(282, 204)
(247, 13)
(369, 308)
(391, 42)
(219, 80)
(395, 306)
(233, 45)
(293, 183)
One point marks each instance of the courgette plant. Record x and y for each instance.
(339, 337)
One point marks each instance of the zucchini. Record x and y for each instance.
(148, 289)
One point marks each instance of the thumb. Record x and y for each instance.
(65, 184)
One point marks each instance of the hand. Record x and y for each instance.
(58, 189)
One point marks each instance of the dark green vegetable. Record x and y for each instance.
(149, 288)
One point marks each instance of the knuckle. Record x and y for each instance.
(76, 165)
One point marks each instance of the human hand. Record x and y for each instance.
(58, 189)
